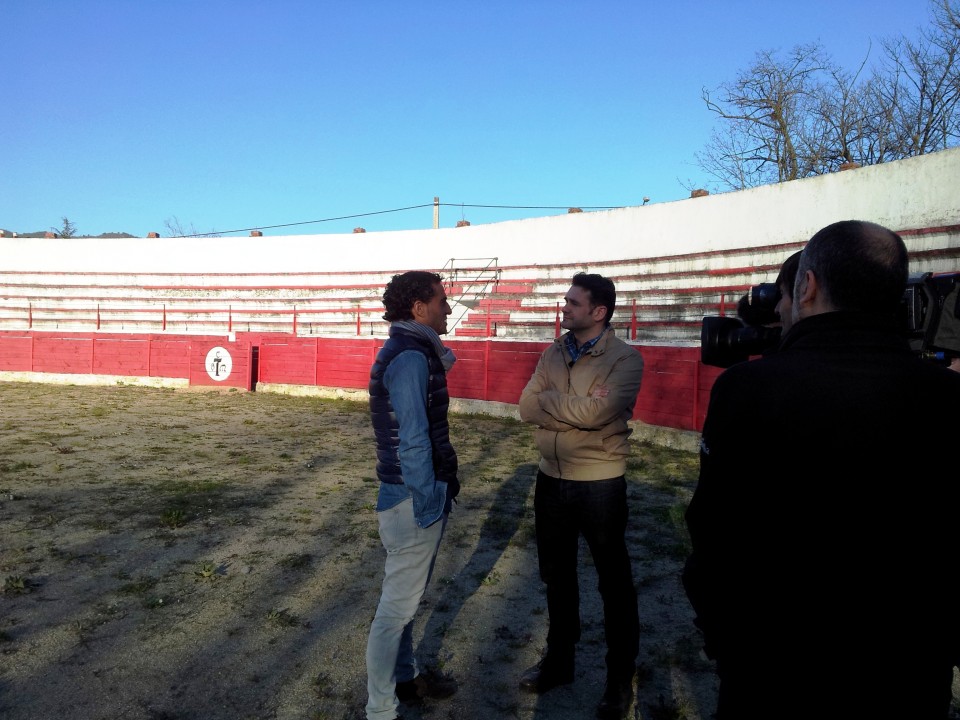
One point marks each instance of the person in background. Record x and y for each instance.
(417, 469)
(823, 525)
(581, 398)
(784, 282)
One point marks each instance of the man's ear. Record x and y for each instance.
(417, 310)
(807, 289)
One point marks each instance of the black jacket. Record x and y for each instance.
(825, 520)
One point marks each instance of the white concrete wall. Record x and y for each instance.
(914, 193)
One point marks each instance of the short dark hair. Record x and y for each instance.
(602, 291)
(860, 265)
(788, 273)
(405, 289)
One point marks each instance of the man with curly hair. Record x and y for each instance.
(417, 469)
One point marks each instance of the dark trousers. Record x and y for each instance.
(597, 509)
(800, 686)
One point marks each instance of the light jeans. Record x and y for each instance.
(411, 553)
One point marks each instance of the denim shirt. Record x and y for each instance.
(406, 380)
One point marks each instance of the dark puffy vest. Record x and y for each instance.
(384, 419)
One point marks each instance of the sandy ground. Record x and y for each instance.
(209, 555)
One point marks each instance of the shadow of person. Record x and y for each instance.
(487, 612)
(504, 517)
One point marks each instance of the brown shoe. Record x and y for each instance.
(428, 684)
(546, 675)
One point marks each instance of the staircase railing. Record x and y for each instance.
(475, 281)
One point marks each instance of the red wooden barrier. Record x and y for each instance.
(674, 392)
(222, 364)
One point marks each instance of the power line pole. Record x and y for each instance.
(436, 213)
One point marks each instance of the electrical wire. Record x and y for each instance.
(411, 207)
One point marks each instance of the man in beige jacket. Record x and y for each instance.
(581, 398)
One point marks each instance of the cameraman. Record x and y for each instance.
(784, 282)
(823, 572)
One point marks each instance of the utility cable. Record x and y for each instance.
(411, 207)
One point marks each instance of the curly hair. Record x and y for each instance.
(405, 289)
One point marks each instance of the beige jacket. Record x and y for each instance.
(580, 437)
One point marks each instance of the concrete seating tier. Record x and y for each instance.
(661, 299)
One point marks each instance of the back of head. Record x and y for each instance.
(404, 290)
(602, 291)
(788, 273)
(859, 265)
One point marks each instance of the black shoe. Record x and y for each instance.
(617, 699)
(546, 675)
(428, 684)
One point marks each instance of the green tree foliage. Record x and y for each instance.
(66, 230)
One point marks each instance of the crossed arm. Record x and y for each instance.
(552, 408)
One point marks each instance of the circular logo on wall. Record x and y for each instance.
(219, 363)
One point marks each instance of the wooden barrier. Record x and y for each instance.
(674, 392)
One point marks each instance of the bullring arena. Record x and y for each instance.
(186, 472)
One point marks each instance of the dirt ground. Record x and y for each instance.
(211, 555)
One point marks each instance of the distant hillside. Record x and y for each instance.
(9, 233)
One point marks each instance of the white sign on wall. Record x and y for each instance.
(219, 363)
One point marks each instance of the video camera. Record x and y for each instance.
(931, 305)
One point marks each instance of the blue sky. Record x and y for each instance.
(225, 116)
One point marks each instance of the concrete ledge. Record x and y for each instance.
(687, 440)
(78, 379)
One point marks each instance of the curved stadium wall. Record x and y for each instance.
(301, 314)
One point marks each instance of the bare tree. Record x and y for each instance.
(918, 92)
(794, 116)
(176, 229)
(772, 130)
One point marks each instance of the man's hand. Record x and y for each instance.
(600, 391)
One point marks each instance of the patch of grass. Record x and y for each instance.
(16, 584)
(282, 618)
(295, 561)
(491, 578)
(206, 571)
(193, 488)
(322, 686)
(139, 586)
(173, 518)
(17, 467)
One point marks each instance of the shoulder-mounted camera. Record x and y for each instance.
(931, 309)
